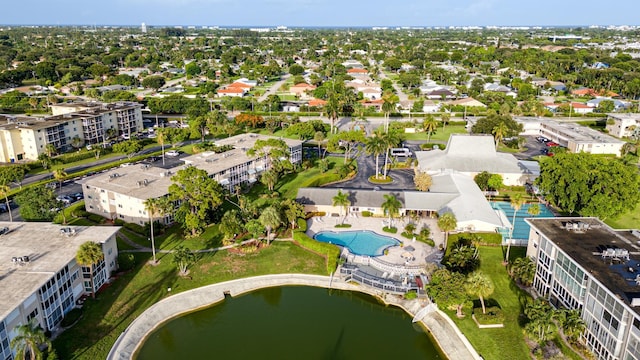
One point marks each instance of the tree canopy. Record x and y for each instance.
(589, 185)
(37, 203)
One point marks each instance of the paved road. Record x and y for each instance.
(168, 84)
(402, 178)
(401, 95)
(274, 88)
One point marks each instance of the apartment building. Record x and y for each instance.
(120, 193)
(235, 167)
(581, 263)
(24, 138)
(39, 276)
(578, 138)
(623, 125)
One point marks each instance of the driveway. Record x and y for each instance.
(533, 149)
(402, 178)
(274, 88)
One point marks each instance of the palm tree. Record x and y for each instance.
(571, 323)
(319, 137)
(4, 192)
(342, 199)
(429, 125)
(391, 140)
(375, 146)
(533, 210)
(152, 206)
(389, 102)
(445, 118)
(447, 222)
(89, 254)
(523, 270)
(270, 219)
(269, 178)
(59, 174)
(108, 134)
(499, 132)
(50, 149)
(391, 206)
(480, 285)
(517, 200)
(76, 142)
(28, 340)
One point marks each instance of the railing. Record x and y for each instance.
(386, 285)
(381, 264)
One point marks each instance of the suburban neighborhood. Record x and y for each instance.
(483, 180)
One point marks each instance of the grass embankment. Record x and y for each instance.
(629, 220)
(439, 134)
(127, 297)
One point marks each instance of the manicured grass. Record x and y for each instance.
(105, 318)
(507, 342)
(288, 186)
(439, 134)
(630, 220)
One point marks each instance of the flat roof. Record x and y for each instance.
(129, 180)
(586, 247)
(579, 133)
(48, 251)
(214, 163)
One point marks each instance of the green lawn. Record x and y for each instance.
(288, 186)
(105, 318)
(507, 342)
(630, 220)
(439, 134)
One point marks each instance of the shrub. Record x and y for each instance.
(315, 213)
(411, 295)
(494, 315)
(71, 317)
(367, 213)
(118, 222)
(96, 218)
(391, 230)
(407, 235)
(126, 261)
(331, 252)
(343, 225)
(302, 225)
(136, 228)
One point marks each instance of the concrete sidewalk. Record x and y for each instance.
(446, 334)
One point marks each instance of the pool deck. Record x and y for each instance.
(422, 254)
(448, 337)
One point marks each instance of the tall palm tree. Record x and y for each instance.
(480, 285)
(50, 149)
(429, 125)
(59, 174)
(88, 255)
(517, 201)
(319, 137)
(447, 222)
(571, 323)
(375, 145)
(389, 103)
(28, 340)
(391, 206)
(342, 199)
(152, 205)
(533, 210)
(391, 140)
(270, 219)
(445, 118)
(4, 192)
(499, 132)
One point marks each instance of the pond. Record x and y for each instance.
(293, 323)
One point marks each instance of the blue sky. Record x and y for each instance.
(321, 12)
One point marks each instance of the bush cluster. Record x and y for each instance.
(494, 315)
(332, 252)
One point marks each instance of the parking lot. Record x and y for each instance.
(534, 148)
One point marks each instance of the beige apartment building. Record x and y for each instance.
(39, 276)
(120, 193)
(24, 138)
(623, 125)
(578, 138)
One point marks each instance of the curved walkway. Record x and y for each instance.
(444, 331)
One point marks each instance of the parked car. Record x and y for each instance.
(51, 185)
(77, 196)
(542, 139)
(551, 143)
(172, 153)
(544, 151)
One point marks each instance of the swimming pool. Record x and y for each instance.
(521, 230)
(358, 242)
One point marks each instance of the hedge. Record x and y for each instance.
(391, 230)
(331, 252)
(494, 315)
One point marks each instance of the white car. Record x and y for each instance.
(172, 153)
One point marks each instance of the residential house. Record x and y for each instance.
(371, 93)
(441, 94)
(467, 102)
(593, 93)
(232, 92)
(431, 106)
(40, 278)
(582, 264)
(355, 72)
(618, 105)
(301, 90)
(501, 89)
